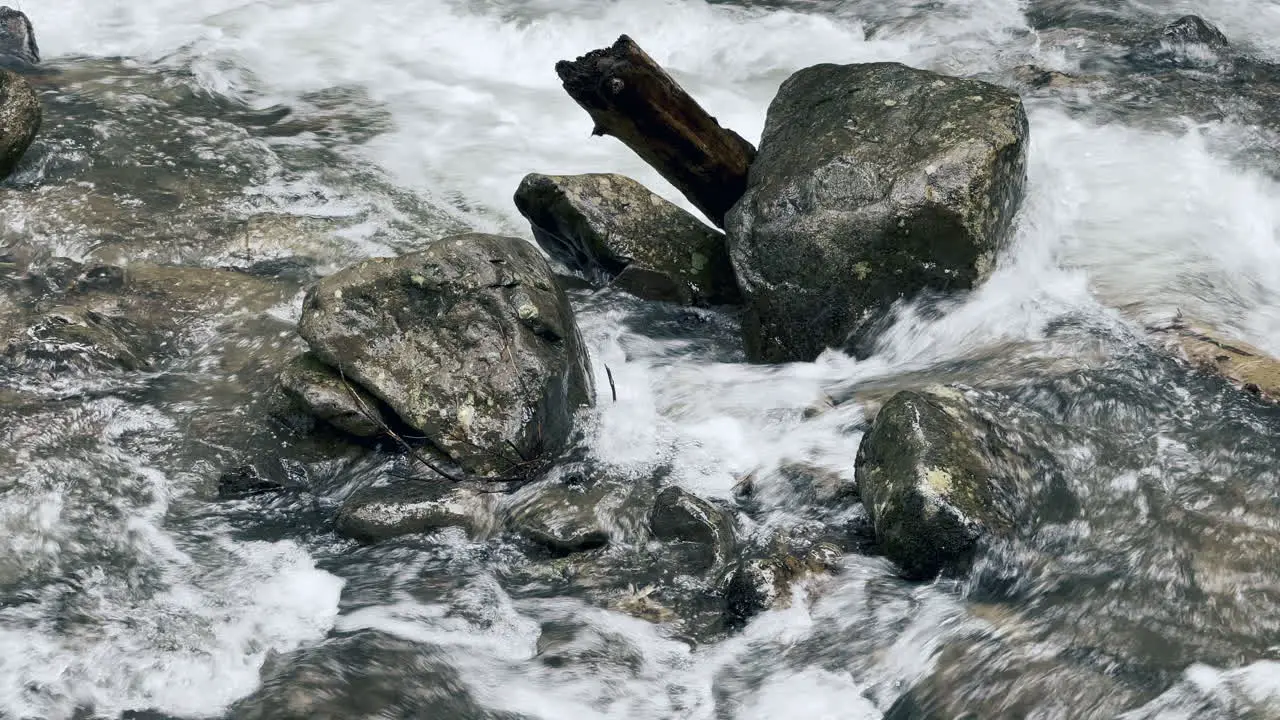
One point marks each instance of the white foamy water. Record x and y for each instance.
(1121, 225)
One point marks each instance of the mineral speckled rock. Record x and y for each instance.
(873, 182)
(614, 230)
(20, 118)
(935, 480)
(321, 391)
(411, 507)
(470, 342)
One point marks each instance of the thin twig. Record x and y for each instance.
(376, 419)
(368, 413)
(612, 388)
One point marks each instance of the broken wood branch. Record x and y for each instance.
(630, 97)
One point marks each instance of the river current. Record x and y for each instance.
(224, 132)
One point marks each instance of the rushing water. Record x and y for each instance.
(225, 132)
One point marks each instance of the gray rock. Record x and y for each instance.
(1188, 42)
(245, 481)
(20, 118)
(873, 182)
(320, 390)
(613, 229)
(680, 516)
(18, 48)
(563, 516)
(765, 577)
(68, 317)
(362, 675)
(470, 342)
(412, 507)
(935, 479)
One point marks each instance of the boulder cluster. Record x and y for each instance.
(873, 183)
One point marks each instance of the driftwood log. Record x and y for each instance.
(630, 97)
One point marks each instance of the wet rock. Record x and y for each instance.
(873, 182)
(56, 320)
(1034, 77)
(470, 342)
(764, 579)
(680, 516)
(20, 118)
(413, 507)
(1243, 365)
(245, 481)
(320, 391)
(367, 674)
(1189, 41)
(935, 480)
(18, 48)
(560, 515)
(994, 679)
(615, 230)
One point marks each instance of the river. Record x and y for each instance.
(369, 127)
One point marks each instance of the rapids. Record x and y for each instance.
(180, 130)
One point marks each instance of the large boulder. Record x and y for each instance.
(873, 182)
(470, 342)
(615, 231)
(20, 118)
(936, 479)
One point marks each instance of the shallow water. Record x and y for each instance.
(1142, 583)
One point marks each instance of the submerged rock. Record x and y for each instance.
(681, 516)
(365, 674)
(245, 481)
(412, 507)
(765, 578)
(1243, 365)
(935, 480)
(70, 317)
(1190, 41)
(873, 182)
(470, 342)
(320, 391)
(562, 516)
(20, 118)
(615, 230)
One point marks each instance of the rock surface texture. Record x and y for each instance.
(412, 507)
(470, 342)
(561, 516)
(873, 182)
(20, 118)
(681, 517)
(935, 479)
(321, 391)
(614, 230)
(68, 317)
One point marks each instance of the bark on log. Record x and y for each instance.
(630, 97)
